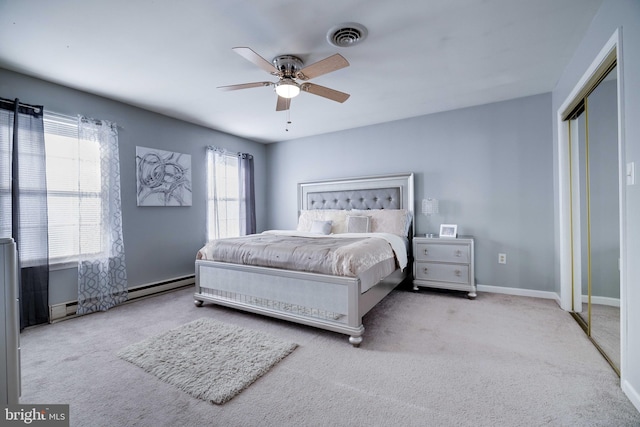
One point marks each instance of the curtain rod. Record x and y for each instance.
(38, 109)
(6, 101)
(229, 152)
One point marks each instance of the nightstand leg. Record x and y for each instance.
(472, 294)
(355, 341)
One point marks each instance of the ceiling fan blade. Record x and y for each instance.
(325, 92)
(283, 104)
(327, 65)
(244, 86)
(248, 54)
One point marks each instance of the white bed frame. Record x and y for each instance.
(334, 303)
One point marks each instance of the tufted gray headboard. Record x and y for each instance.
(374, 192)
(373, 198)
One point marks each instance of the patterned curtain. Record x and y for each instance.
(23, 203)
(102, 277)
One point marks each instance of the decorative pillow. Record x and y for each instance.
(357, 224)
(394, 221)
(337, 217)
(306, 218)
(321, 227)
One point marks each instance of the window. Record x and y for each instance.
(32, 189)
(73, 187)
(223, 189)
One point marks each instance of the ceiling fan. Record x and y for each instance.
(288, 69)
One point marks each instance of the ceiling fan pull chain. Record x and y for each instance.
(288, 120)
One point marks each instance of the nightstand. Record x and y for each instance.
(444, 263)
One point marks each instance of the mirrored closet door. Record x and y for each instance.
(595, 215)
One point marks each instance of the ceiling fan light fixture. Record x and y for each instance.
(287, 88)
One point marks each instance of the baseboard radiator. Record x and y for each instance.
(67, 310)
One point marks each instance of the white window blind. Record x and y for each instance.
(73, 187)
(30, 187)
(223, 190)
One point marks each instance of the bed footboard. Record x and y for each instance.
(322, 301)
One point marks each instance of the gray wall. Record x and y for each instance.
(160, 242)
(623, 15)
(490, 167)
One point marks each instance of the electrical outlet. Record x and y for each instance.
(502, 258)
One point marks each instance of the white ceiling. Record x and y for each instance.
(420, 57)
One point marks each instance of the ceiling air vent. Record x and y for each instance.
(346, 35)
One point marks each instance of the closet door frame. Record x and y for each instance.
(564, 193)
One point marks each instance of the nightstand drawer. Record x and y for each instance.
(442, 252)
(453, 273)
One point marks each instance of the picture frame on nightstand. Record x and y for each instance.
(448, 231)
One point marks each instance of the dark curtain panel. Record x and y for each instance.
(22, 141)
(247, 194)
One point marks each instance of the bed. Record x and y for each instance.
(322, 298)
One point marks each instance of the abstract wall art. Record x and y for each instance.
(163, 178)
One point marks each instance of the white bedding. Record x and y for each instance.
(369, 256)
(398, 244)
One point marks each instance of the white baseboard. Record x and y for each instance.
(631, 393)
(519, 292)
(613, 302)
(154, 288)
(67, 310)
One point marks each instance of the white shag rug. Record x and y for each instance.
(210, 360)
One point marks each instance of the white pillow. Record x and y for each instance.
(394, 221)
(321, 227)
(337, 217)
(306, 218)
(358, 224)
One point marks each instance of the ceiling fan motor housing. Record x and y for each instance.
(288, 65)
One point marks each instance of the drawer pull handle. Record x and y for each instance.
(458, 273)
(426, 251)
(458, 253)
(425, 270)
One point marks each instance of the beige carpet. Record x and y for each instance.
(210, 360)
(427, 359)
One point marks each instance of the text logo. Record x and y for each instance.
(36, 415)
